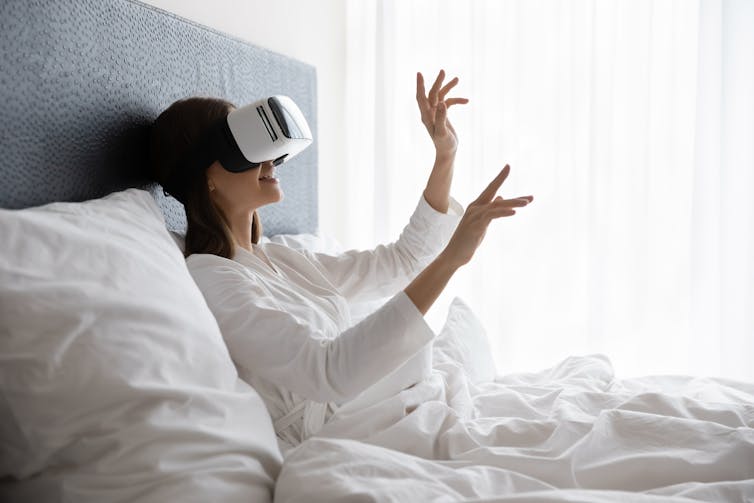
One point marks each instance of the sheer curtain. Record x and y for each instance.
(631, 123)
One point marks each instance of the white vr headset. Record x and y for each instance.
(270, 129)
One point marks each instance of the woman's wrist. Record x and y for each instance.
(445, 157)
(429, 284)
(437, 192)
(447, 261)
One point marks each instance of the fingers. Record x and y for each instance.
(432, 96)
(456, 101)
(518, 202)
(488, 193)
(447, 87)
(421, 95)
(440, 117)
(450, 101)
(437, 94)
(501, 212)
(500, 207)
(495, 207)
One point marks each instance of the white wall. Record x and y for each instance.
(312, 32)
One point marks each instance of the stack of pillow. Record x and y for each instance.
(115, 382)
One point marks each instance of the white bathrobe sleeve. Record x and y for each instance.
(361, 275)
(272, 344)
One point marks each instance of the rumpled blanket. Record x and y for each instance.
(568, 433)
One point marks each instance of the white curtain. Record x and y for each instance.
(631, 123)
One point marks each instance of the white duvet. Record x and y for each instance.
(569, 433)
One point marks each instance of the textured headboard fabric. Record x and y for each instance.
(82, 80)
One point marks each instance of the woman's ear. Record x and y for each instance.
(211, 173)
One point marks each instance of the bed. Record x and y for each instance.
(115, 383)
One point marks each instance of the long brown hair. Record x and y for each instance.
(174, 134)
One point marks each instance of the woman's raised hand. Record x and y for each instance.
(434, 112)
(473, 225)
(427, 286)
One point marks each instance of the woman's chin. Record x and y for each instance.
(274, 199)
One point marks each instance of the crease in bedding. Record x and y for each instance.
(569, 433)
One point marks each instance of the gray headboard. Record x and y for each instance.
(81, 80)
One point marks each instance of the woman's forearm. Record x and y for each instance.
(437, 192)
(429, 284)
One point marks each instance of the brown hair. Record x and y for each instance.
(174, 134)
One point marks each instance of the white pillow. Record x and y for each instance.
(115, 383)
(463, 340)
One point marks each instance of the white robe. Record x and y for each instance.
(289, 330)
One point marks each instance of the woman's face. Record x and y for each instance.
(245, 191)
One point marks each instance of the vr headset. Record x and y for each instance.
(271, 129)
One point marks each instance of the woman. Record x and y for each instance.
(284, 313)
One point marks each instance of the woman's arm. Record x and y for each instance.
(437, 193)
(363, 275)
(267, 341)
(372, 274)
(433, 107)
(427, 286)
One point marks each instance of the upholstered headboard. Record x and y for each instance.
(81, 80)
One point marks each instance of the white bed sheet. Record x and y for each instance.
(569, 433)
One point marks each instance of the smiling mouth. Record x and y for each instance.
(268, 178)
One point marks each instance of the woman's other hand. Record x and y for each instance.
(473, 225)
(434, 113)
(427, 286)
